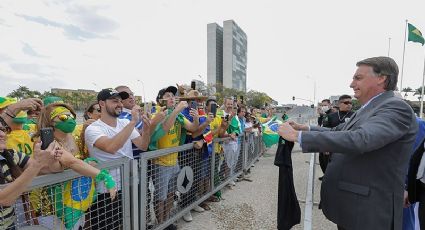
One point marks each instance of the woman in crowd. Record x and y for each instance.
(91, 114)
(18, 170)
(61, 117)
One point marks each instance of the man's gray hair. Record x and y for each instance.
(383, 66)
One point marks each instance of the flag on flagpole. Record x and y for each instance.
(415, 35)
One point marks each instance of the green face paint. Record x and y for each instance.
(67, 126)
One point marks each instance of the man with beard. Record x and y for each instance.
(128, 105)
(110, 138)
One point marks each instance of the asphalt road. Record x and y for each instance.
(253, 205)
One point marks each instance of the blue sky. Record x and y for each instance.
(291, 44)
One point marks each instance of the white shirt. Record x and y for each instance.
(100, 129)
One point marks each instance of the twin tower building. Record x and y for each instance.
(227, 55)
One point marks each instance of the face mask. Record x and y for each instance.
(67, 126)
(19, 120)
(325, 108)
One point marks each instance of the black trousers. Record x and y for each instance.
(323, 161)
(105, 213)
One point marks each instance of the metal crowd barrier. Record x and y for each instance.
(68, 201)
(155, 190)
(191, 177)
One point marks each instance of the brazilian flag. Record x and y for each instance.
(415, 35)
(270, 128)
(73, 198)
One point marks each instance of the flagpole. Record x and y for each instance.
(421, 111)
(402, 63)
(389, 47)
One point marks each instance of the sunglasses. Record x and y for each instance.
(96, 109)
(347, 102)
(64, 117)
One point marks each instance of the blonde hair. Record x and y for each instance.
(44, 120)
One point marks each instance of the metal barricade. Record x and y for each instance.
(253, 145)
(172, 182)
(154, 191)
(175, 180)
(68, 201)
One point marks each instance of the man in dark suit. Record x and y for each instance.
(363, 184)
(333, 120)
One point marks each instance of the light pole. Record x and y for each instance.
(143, 88)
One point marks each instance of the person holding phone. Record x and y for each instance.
(202, 139)
(128, 104)
(60, 118)
(18, 170)
(166, 135)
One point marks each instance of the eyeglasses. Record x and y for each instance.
(96, 109)
(64, 117)
(347, 102)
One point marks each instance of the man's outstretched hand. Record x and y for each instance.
(287, 132)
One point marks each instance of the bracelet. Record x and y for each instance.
(106, 178)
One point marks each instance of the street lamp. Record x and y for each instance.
(143, 88)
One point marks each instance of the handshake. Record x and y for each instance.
(290, 130)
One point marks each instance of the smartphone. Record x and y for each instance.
(46, 135)
(193, 85)
(193, 105)
(147, 107)
(214, 109)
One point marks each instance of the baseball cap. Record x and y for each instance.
(171, 89)
(106, 94)
(6, 101)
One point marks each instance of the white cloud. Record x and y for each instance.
(164, 42)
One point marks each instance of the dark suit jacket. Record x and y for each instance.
(364, 183)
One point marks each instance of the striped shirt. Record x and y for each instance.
(7, 214)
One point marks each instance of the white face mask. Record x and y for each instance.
(325, 108)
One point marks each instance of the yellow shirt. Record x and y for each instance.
(215, 125)
(20, 141)
(169, 140)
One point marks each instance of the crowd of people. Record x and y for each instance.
(114, 126)
(372, 158)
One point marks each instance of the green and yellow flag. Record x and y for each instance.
(415, 35)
